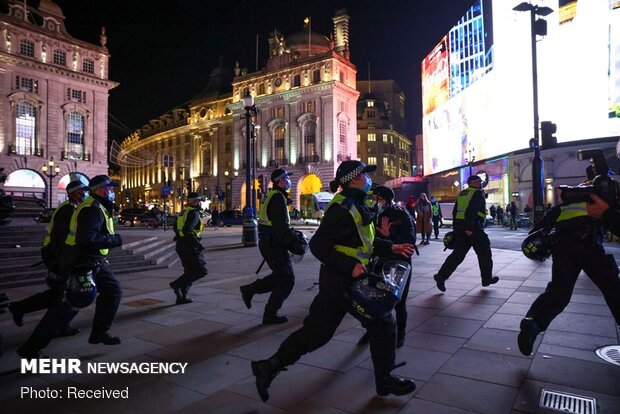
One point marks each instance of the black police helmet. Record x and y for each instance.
(297, 243)
(448, 241)
(81, 290)
(538, 245)
(372, 296)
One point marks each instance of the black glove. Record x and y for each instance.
(118, 240)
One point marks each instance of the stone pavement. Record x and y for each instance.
(460, 347)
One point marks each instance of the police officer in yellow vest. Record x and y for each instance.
(51, 252)
(188, 228)
(274, 228)
(579, 247)
(468, 221)
(91, 235)
(343, 244)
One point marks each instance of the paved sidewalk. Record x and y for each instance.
(460, 347)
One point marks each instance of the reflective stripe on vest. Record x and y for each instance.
(572, 211)
(263, 218)
(435, 209)
(366, 234)
(109, 224)
(181, 222)
(462, 202)
(50, 226)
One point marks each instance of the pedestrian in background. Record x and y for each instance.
(493, 212)
(424, 218)
(437, 217)
(513, 216)
(500, 214)
(215, 218)
(188, 228)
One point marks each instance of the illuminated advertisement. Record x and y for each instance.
(489, 109)
(435, 75)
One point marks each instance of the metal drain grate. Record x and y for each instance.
(609, 353)
(567, 403)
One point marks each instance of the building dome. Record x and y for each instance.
(49, 7)
(301, 38)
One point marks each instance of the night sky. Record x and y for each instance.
(162, 51)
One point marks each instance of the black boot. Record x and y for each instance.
(246, 294)
(18, 315)
(265, 371)
(441, 282)
(395, 385)
(527, 336)
(181, 294)
(274, 319)
(491, 281)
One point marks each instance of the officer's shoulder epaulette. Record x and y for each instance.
(347, 203)
(95, 203)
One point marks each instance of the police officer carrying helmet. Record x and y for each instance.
(91, 235)
(469, 215)
(51, 252)
(579, 247)
(188, 228)
(274, 231)
(394, 224)
(343, 244)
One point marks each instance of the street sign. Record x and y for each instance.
(166, 191)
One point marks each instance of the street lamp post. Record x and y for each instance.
(537, 27)
(250, 227)
(50, 172)
(470, 158)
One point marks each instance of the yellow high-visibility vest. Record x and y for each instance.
(366, 234)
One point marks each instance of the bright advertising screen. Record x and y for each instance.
(477, 82)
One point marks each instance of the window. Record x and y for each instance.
(385, 162)
(358, 138)
(385, 138)
(342, 132)
(60, 57)
(297, 80)
(372, 137)
(88, 66)
(341, 76)
(76, 95)
(280, 155)
(227, 148)
(228, 130)
(316, 76)
(370, 114)
(261, 88)
(25, 128)
(167, 160)
(307, 106)
(371, 125)
(278, 112)
(26, 48)
(371, 104)
(372, 160)
(310, 139)
(26, 84)
(75, 136)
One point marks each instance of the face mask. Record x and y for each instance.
(380, 208)
(432, 199)
(366, 187)
(84, 196)
(287, 185)
(111, 196)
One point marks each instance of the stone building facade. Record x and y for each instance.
(54, 102)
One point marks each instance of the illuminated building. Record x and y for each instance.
(381, 129)
(54, 101)
(307, 98)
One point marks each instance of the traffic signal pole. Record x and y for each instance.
(537, 162)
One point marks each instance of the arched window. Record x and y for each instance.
(26, 129)
(342, 132)
(279, 138)
(75, 136)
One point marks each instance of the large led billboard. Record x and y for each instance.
(477, 83)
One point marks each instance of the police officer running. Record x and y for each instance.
(393, 224)
(343, 244)
(579, 247)
(274, 229)
(469, 217)
(189, 248)
(91, 235)
(51, 252)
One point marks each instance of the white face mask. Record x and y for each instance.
(380, 207)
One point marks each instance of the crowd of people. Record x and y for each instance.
(363, 228)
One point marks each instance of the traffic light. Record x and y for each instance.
(188, 184)
(547, 129)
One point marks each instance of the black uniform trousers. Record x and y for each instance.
(326, 312)
(462, 243)
(41, 300)
(58, 315)
(436, 220)
(569, 259)
(193, 262)
(282, 279)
